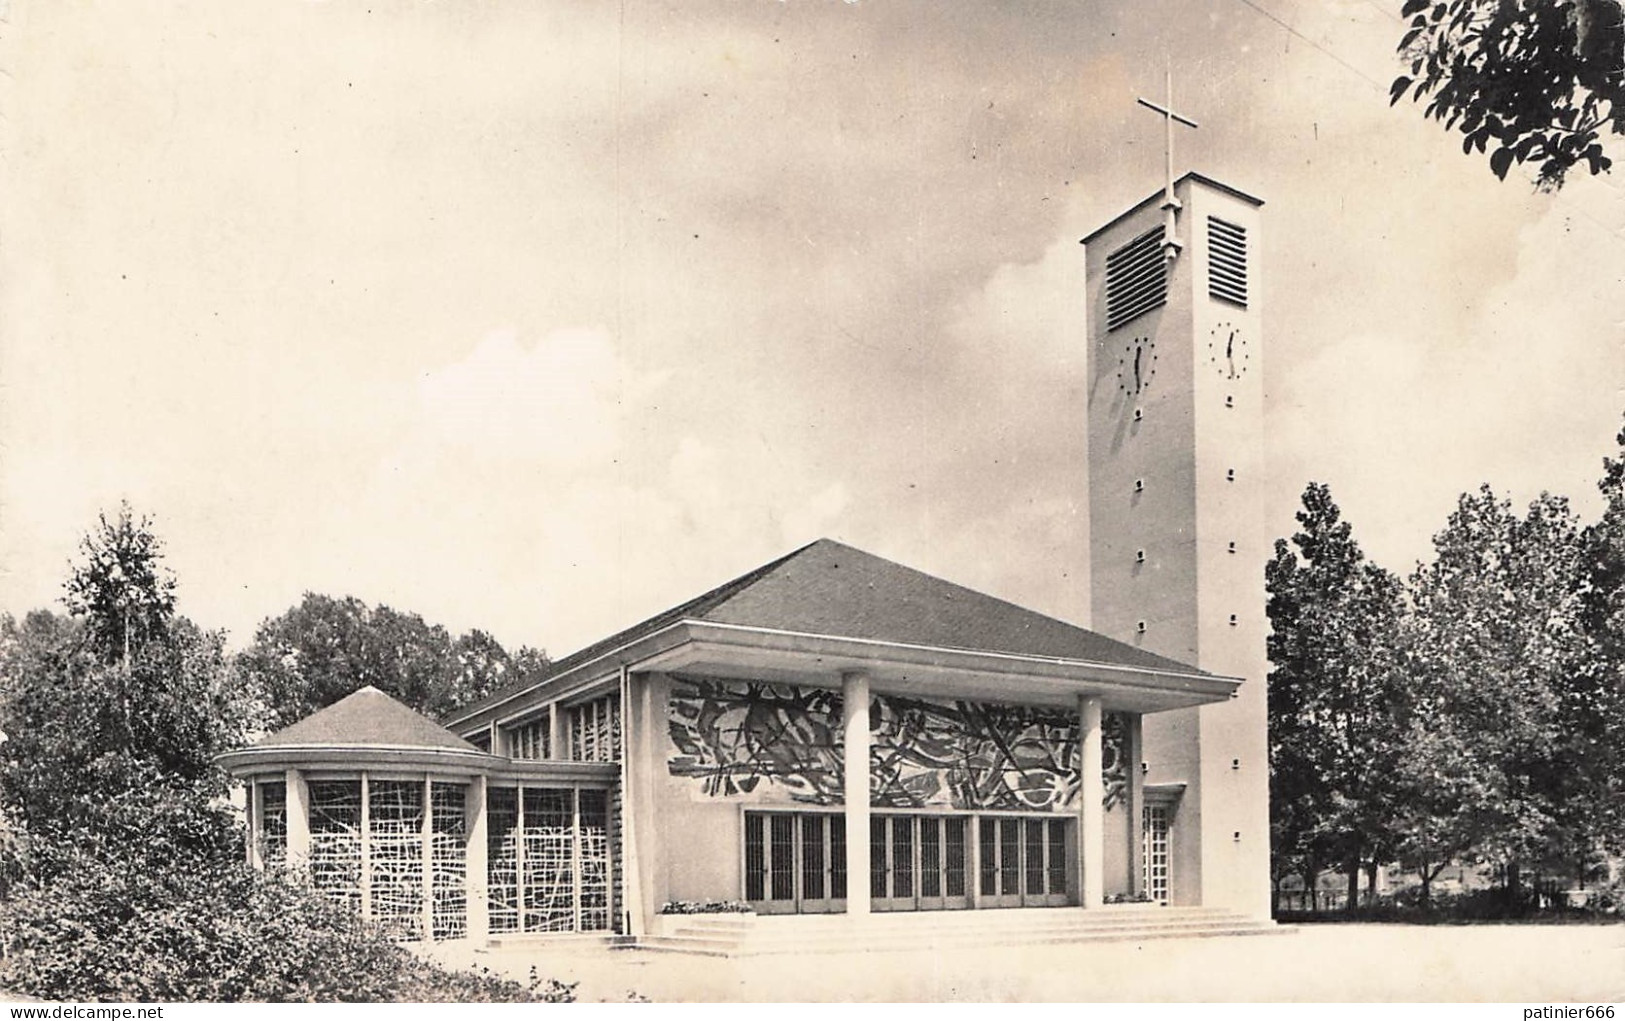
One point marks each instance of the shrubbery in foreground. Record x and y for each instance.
(706, 907)
(121, 876)
(194, 929)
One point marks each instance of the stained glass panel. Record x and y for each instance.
(450, 859)
(395, 840)
(502, 857)
(547, 863)
(594, 858)
(273, 834)
(335, 840)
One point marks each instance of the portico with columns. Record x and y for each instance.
(835, 715)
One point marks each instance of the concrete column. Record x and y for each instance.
(558, 733)
(366, 848)
(1091, 813)
(256, 823)
(973, 860)
(427, 850)
(519, 853)
(647, 769)
(298, 801)
(632, 796)
(476, 868)
(1134, 799)
(855, 727)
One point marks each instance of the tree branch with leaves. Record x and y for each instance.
(1528, 81)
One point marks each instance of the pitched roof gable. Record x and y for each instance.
(366, 718)
(829, 588)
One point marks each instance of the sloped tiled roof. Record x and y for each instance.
(828, 588)
(366, 718)
(832, 589)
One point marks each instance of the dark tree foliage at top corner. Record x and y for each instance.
(1528, 81)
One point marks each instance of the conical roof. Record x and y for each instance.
(367, 718)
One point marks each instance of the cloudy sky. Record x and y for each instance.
(543, 317)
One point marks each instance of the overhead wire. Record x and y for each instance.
(1572, 206)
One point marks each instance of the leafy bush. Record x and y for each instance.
(1467, 907)
(195, 929)
(706, 907)
(121, 875)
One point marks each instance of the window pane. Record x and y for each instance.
(1009, 856)
(755, 858)
(1035, 857)
(812, 857)
(902, 856)
(450, 820)
(502, 857)
(1057, 856)
(953, 858)
(782, 829)
(837, 856)
(594, 858)
(877, 856)
(273, 834)
(990, 857)
(549, 860)
(395, 809)
(335, 840)
(930, 857)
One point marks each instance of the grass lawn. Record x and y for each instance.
(1354, 962)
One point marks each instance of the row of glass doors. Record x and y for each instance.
(796, 861)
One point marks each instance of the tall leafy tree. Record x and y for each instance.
(120, 588)
(1496, 641)
(113, 715)
(324, 648)
(1593, 711)
(1336, 699)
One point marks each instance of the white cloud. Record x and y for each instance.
(548, 496)
(559, 402)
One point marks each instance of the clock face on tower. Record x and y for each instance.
(1227, 350)
(1136, 364)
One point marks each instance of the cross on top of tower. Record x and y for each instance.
(1170, 237)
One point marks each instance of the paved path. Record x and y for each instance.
(1319, 963)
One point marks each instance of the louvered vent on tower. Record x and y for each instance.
(1136, 279)
(1227, 261)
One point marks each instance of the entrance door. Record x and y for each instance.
(917, 862)
(942, 862)
(795, 862)
(1155, 852)
(1023, 861)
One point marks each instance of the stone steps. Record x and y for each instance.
(747, 936)
(558, 940)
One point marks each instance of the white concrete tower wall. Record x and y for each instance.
(1168, 422)
(1233, 629)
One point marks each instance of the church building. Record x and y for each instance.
(837, 734)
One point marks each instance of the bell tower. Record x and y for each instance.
(1177, 543)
